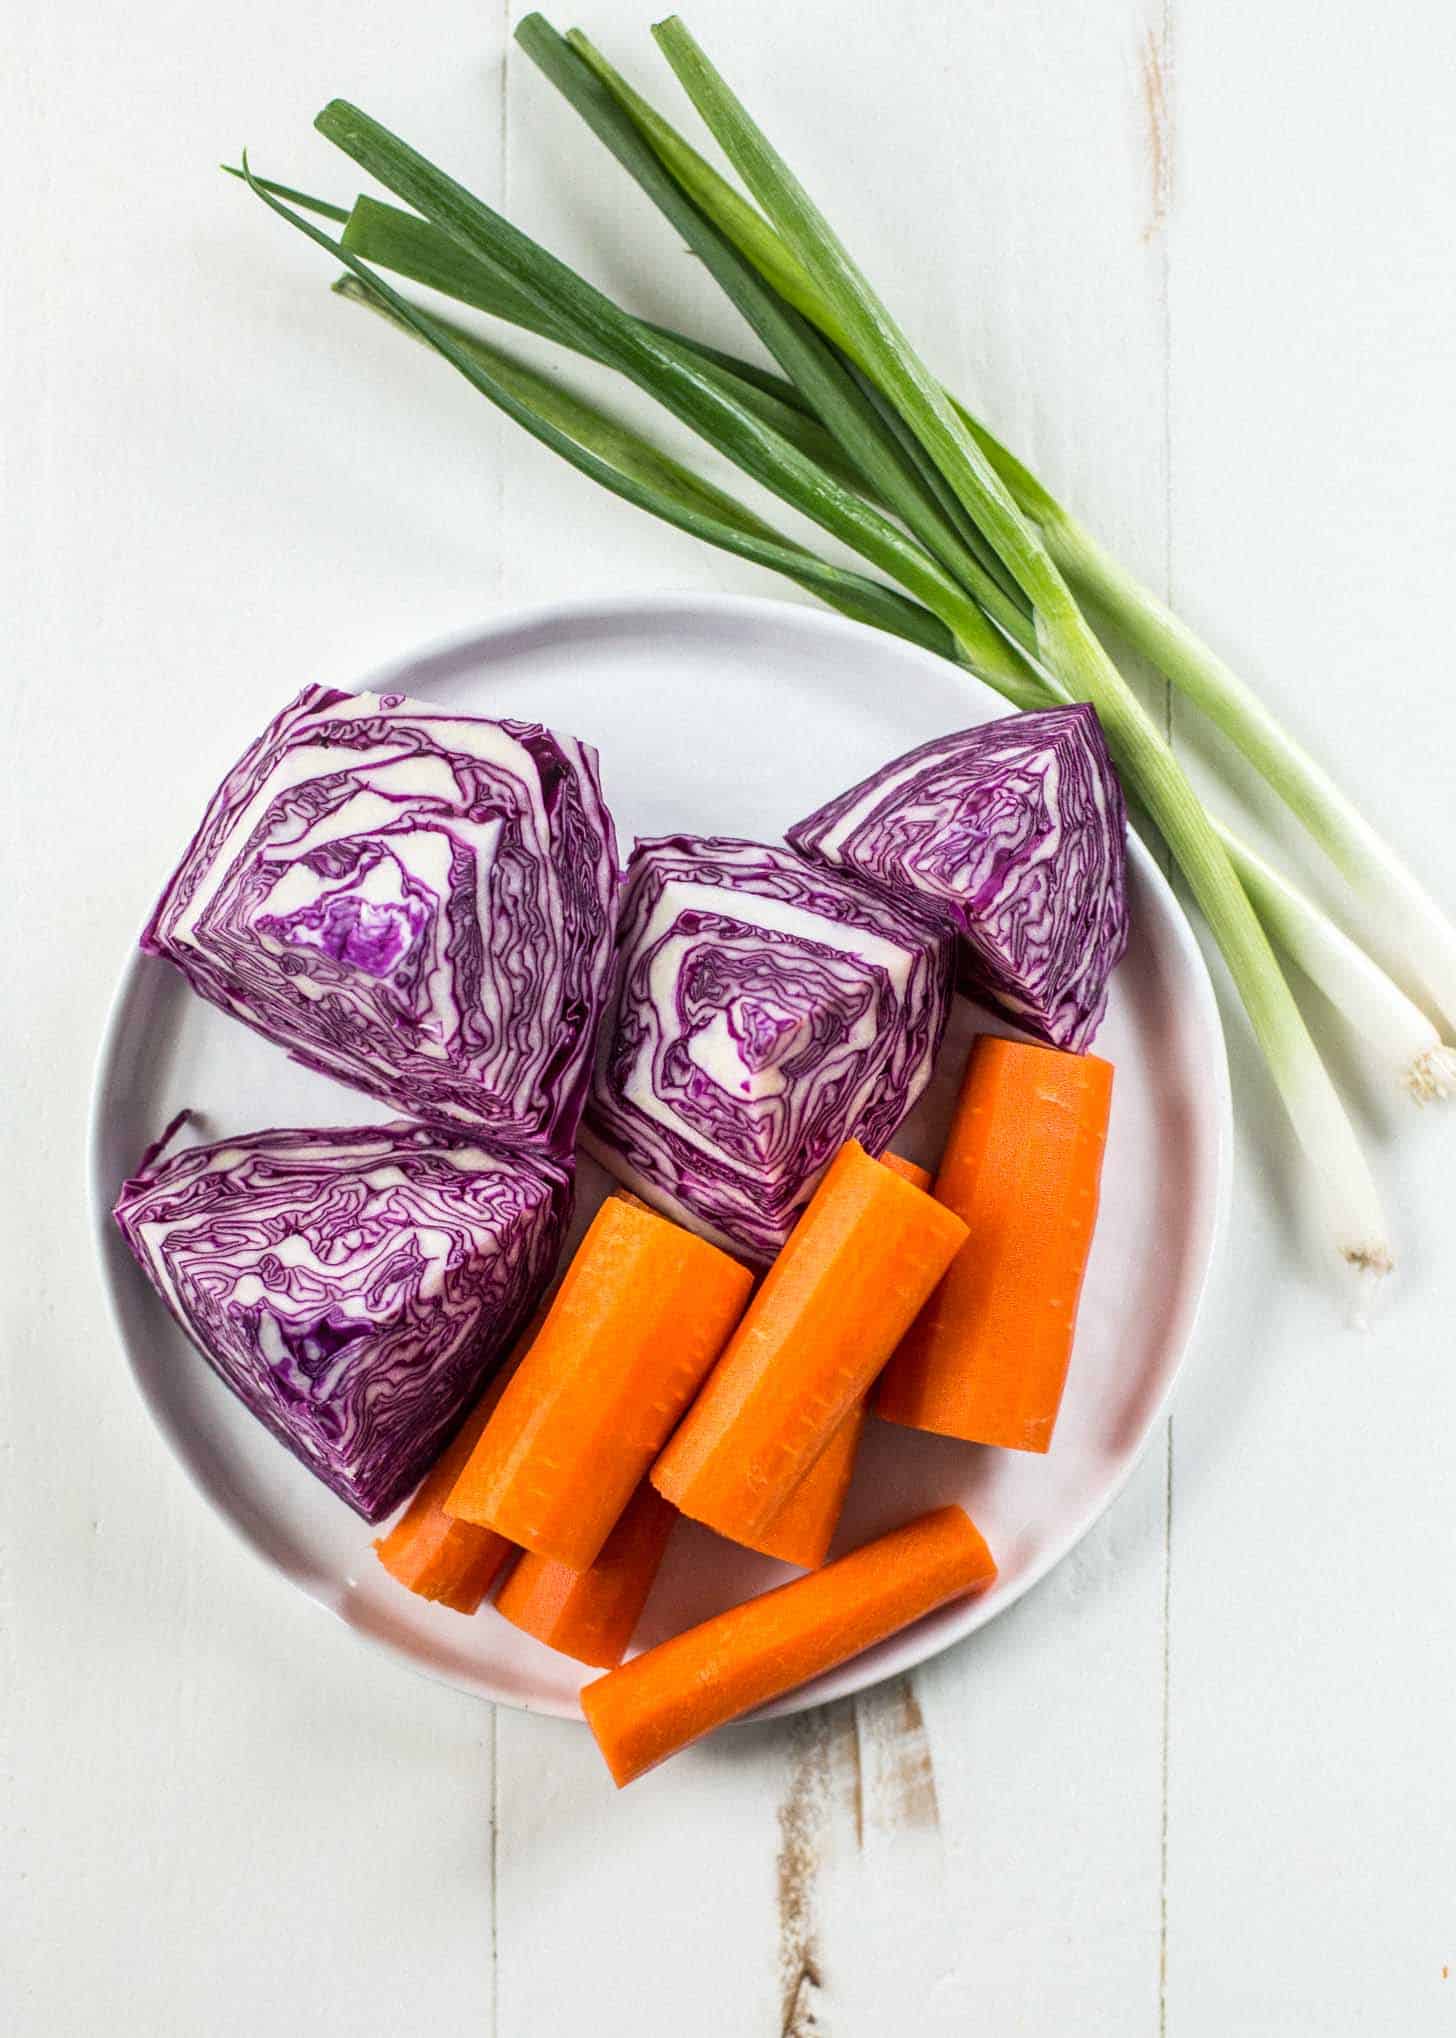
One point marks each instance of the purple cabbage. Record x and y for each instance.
(414, 900)
(1016, 832)
(352, 1287)
(761, 1012)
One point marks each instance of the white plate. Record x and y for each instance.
(712, 714)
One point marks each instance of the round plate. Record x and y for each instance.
(730, 716)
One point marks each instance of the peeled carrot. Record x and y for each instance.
(987, 1358)
(672, 1695)
(861, 1260)
(427, 1550)
(591, 1614)
(803, 1528)
(644, 1310)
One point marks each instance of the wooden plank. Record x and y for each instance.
(654, 1906)
(1312, 1774)
(993, 1858)
(925, 1856)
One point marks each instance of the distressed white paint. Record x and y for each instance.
(1312, 1810)
(222, 1815)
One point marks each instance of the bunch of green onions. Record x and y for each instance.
(972, 558)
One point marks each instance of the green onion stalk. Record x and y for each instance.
(1411, 921)
(1067, 645)
(1393, 1025)
(1395, 1028)
(855, 434)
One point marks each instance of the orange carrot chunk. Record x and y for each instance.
(861, 1260)
(591, 1614)
(987, 1358)
(427, 1550)
(803, 1528)
(911, 1171)
(672, 1695)
(644, 1310)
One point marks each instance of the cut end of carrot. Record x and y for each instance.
(591, 1615)
(455, 1569)
(987, 1358)
(910, 1171)
(946, 1414)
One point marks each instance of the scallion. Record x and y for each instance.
(1410, 919)
(852, 430)
(1395, 1027)
(1070, 648)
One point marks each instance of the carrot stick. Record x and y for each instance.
(672, 1695)
(644, 1310)
(427, 1550)
(591, 1614)
(987, 1358)
(803, 1528)
(863, 1257)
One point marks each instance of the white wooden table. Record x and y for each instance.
(1196, 260)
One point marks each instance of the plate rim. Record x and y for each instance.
(924, 1640)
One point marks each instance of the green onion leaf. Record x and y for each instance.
(644, 474)
(322, 206)
(1070, 649)
(870, 440)
(684, 386)
(717, 199)
(872, 335)
(1389, 890)
(622, 460)
(411, 246)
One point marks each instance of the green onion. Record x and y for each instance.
(1396, 1028)
(715, 197)
(684, 386)
(823, 379)
(858, 436)
(1072, 651)
(1409, 918)
(324, 207)
(1390, 892)
(622, 460)
(412, 247)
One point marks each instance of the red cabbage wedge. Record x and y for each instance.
(352, 1287)
(762, 1012)
(1017, 832)
(414, 900)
